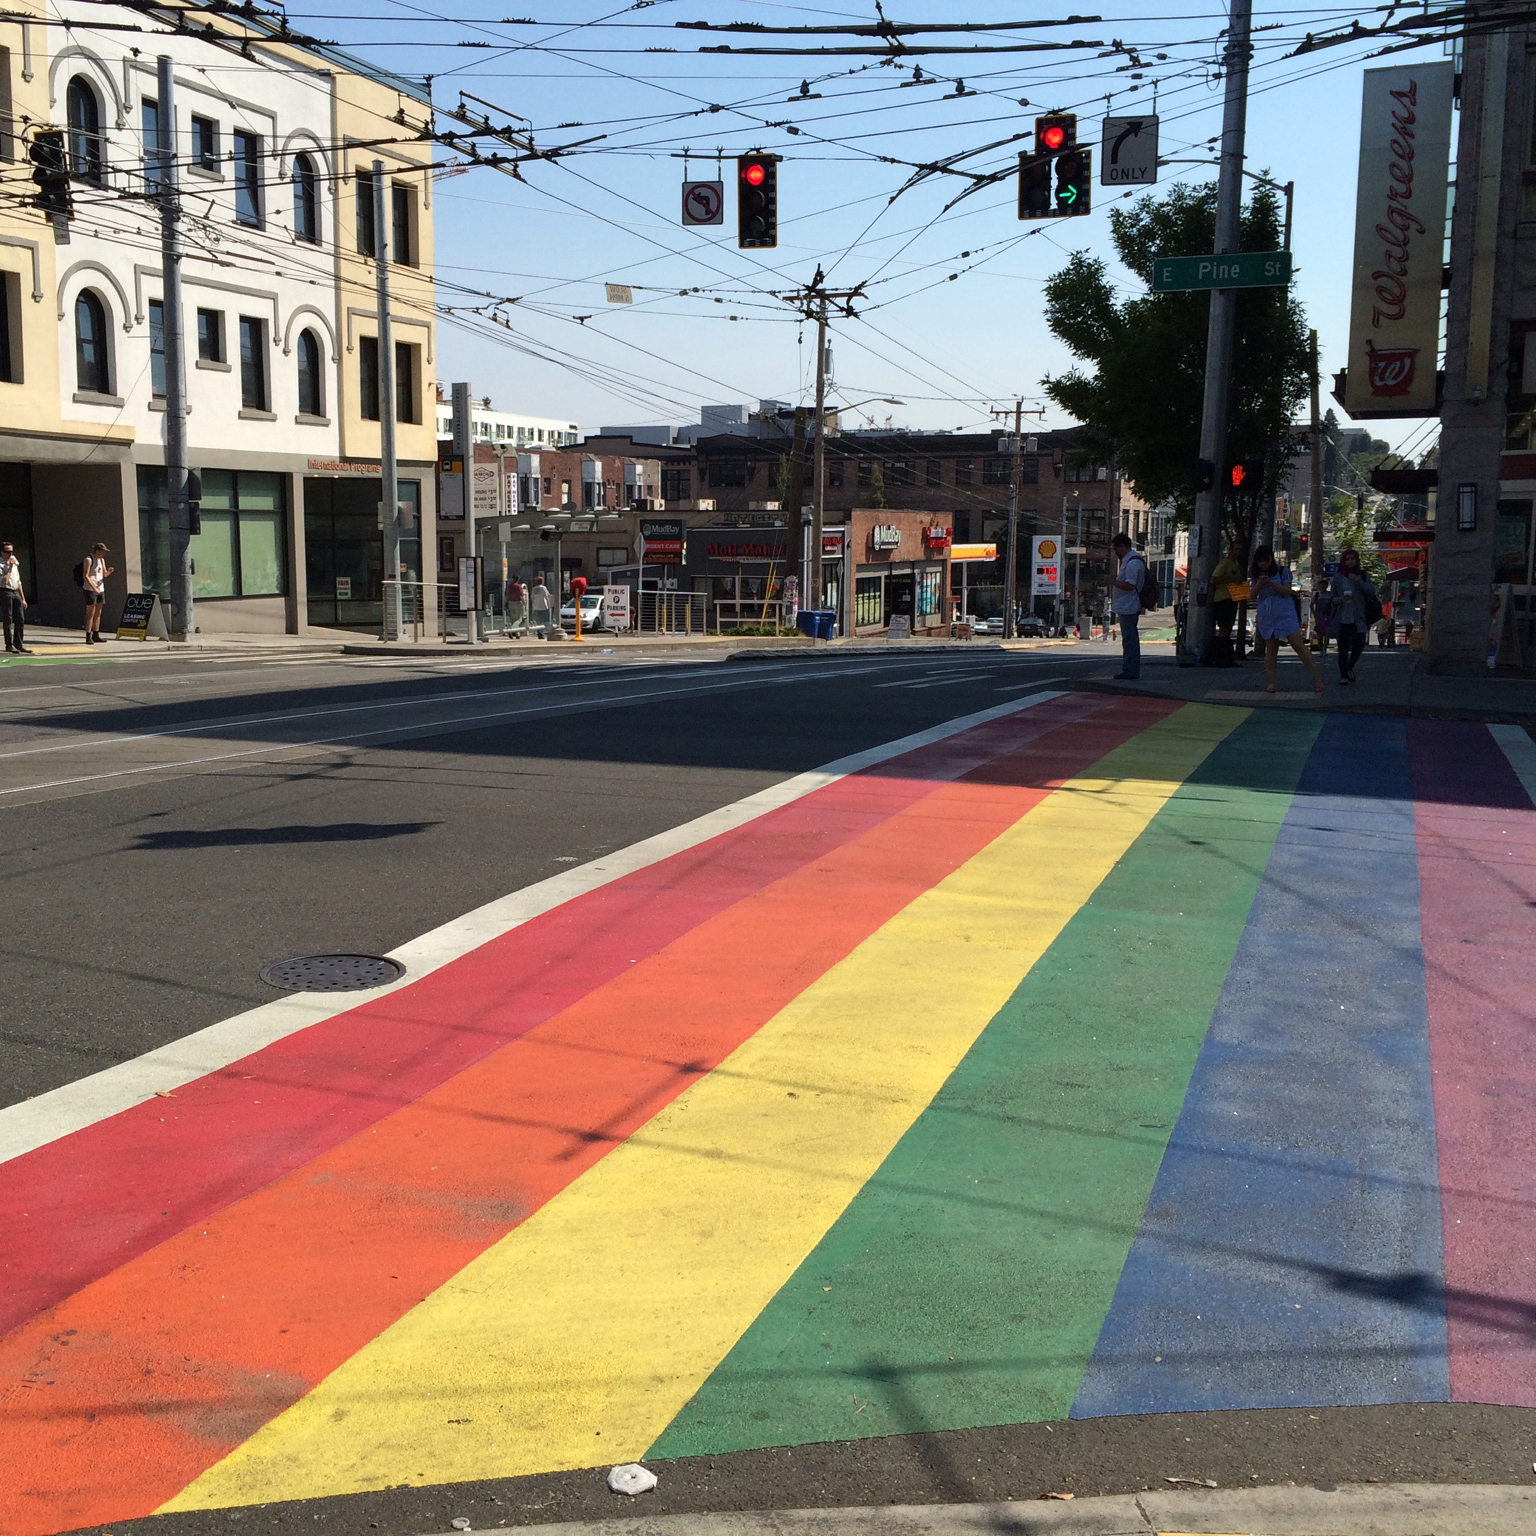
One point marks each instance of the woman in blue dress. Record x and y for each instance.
(1276, 616)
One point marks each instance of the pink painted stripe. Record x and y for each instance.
(77, 1208)
(1476, 833)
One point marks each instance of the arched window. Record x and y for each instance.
(311, 394)
(306, 200)
(92, 373)
(85, 152)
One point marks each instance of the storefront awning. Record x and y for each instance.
(963, 552)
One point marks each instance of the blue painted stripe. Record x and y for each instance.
(1290, 1253)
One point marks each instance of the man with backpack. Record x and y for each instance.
(1132, 594)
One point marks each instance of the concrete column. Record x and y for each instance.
(1490, 159)
(296, 607)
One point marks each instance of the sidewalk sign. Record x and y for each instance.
(142, 618)
(616, 607)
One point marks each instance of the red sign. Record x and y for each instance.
(1390, 369)
(936, 538)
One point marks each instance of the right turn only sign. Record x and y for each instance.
(1129, 155)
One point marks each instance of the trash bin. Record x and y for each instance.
(817, 623)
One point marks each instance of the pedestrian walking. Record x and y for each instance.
(1353, 608)
(1277, 617)
(517, 611)
(1408, 615)
(94, 571)
(13, 602)
(538, 604)
(1125, 604)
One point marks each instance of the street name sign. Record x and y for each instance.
(1238, 269)
(1129, 154)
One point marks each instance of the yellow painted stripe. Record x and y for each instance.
(576, 1339)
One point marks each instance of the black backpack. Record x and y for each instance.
(79, 574)
(1150, 589)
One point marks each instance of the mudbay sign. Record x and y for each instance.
(1394, 323)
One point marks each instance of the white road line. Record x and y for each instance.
(228, 723)
(1517, 746)
(35, 1122)
(271, 748)
(1039, 682)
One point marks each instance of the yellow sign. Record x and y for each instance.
(1045, 549)
(972, 552)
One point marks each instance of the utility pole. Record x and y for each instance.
(1315, 491)
(794, 496)
(1015, 478)
(182, 625)
(819, 470)
(389, 486)
(1077, 564)
(1219, 334)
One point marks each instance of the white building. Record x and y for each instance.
(488, 426)
(278, 319)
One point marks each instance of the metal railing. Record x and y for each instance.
(672, 613)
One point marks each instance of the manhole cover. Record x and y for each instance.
(332, 973)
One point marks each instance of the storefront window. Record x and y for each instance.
(928, 594)
(868, 600)
(240, 551)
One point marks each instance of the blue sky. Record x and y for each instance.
(948, 349)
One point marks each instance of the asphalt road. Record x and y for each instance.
(172, 827)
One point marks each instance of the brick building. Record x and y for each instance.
(960, 477)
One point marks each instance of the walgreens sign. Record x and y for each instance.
(1394, 322)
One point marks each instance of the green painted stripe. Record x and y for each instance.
(966, 1283)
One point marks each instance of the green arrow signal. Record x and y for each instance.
(1068, 196)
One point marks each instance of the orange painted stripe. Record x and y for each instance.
(139, 1382)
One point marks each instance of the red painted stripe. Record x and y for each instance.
(1477, 887)
(151, 1374)
(76, 1208)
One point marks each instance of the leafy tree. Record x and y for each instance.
(877, 486)
(1348, 525)
(1140, 400)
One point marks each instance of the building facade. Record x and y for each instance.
(1484, 533)
(274, 146)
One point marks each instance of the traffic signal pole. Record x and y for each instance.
(1011, 585)
(1315, 490)
(389, 473)
(179, 510)
(1219, 338)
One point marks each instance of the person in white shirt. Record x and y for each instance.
(94, 573)
(1125, 602)
(13, 602)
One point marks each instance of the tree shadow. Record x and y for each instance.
(242, 837)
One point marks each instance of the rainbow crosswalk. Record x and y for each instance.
(1103, 1056)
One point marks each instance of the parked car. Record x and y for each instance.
(594, 617)
(1032, 628)
(989, 626)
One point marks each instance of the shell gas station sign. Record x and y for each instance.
(1045, 568)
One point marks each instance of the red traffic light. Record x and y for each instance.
(1239, 474)
(754, 173)
(1053, 137)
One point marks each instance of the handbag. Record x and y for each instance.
(1373, 608)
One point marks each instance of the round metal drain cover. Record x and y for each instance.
(332, 973)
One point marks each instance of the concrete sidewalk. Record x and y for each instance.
(1400, 1509)
(1391, 682)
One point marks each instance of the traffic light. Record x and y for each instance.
(1055, 132)
(1205, 475)
(1302, 541)
(1074, 182)
(757, 201)
(1247, 475)
(1035, 187)
(50, 170)
(1054, 181)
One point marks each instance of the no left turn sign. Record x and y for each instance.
(703, 202)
